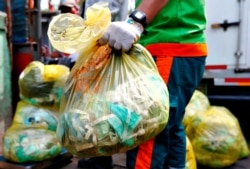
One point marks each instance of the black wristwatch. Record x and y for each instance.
(140, 17)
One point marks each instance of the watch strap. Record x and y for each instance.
(140, 17)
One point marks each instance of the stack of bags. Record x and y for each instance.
(32, 134)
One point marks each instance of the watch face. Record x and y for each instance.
(139, 15)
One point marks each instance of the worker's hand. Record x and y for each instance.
(122, 35)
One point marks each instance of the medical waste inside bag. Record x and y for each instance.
(217, 138)
(199, 103)
(29, 143)
(28, 114)
(32, 134)
(42, 85)
(113, 101)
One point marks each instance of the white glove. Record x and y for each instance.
(122, 35)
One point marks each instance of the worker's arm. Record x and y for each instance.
(122, 35)
(151, 8)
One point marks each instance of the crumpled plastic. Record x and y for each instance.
(113, 101)
(217, 138)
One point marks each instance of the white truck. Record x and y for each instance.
(227, 77)
(228, 38)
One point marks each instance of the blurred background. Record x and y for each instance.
(222, 100)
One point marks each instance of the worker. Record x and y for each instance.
(69, 6)
(119, 8)
(173, 32)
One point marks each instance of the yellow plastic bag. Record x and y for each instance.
(42, 85)
(113, 101)
(114, 106)
(190, 156)
(217, 138)
(70, 33)
(198, 103)
(29, 143)
(30, 115)
(32, 136)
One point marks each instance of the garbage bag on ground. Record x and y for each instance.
(198, 103)
(25, 143)
(32, 135)
(217, 138)
(113, 101)
(28, 114)
(190, 156)
(42, 85)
